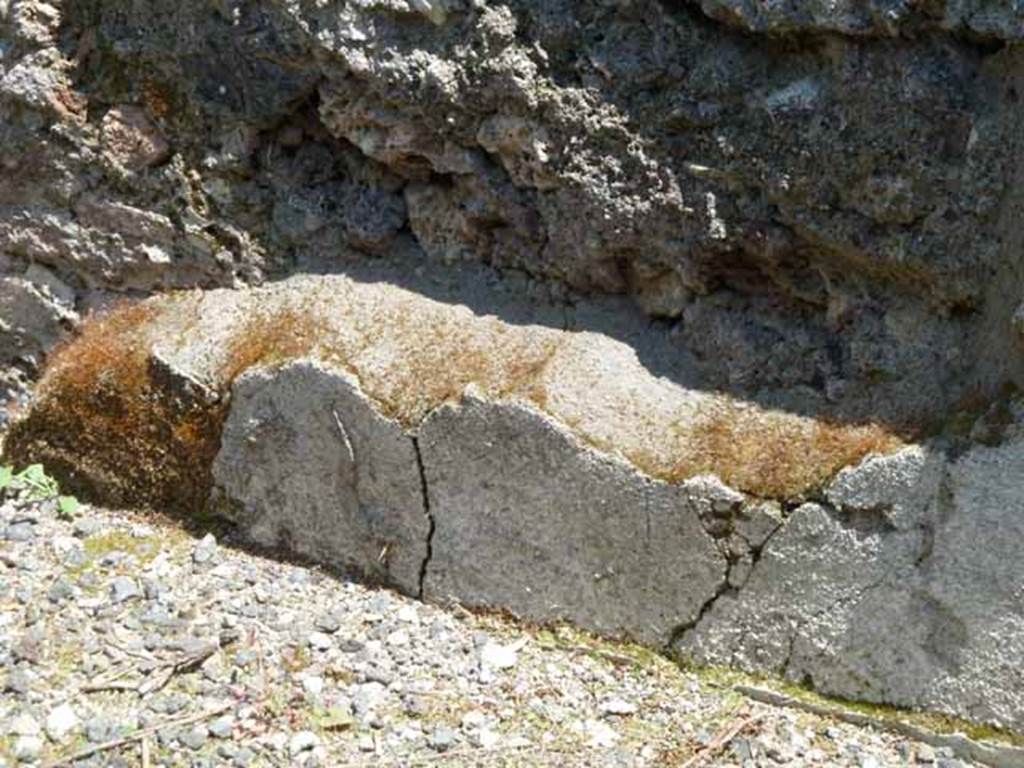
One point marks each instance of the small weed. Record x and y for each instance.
(37, 485)
(295, 659)
(332, 719)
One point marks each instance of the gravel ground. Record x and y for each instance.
(197, 653)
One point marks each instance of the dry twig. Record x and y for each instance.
(722, 740)
(140, 736)
(995, 755)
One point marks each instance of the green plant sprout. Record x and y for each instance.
(39, 487)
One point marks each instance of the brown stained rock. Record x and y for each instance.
(412, 355)
(131, 139)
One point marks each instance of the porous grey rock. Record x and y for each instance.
(32, 320)
(130, 138)
(900, 487)
(920, 610)
(526, 517)
(1001, 21)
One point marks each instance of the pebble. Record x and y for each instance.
(328, 623)
(60, 723)
(925, 754)
(442, 739)
(313, 685)
(83, 527)
(27, 748)
(320, 641)
(498, 656)
(598, 733)
(222, 727)
(398, 637)
(617, 707)
(24, 725)
(302, 742)
(20, 532)
(123, 588)
(195, 737)
(205, 549)
(17, 682)
(98, 730)
(485, 738)
(60, 590)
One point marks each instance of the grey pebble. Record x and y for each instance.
(98, 730)
(442, 739)
(28, 748)
(170, 704)
(328, 623)
(153, 588)
(17, 682)
(84, 528)
(195, 737)
(123, 588)
(167, 736)
(20, 532)
(221, 727)
(205, 550)
(351, 645)
(115, 558)
(60, 590)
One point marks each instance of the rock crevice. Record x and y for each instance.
(421, 585)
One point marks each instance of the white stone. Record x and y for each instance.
(408, 614)
(498, 656)
(313, 685)
(320, 641)
(25, 725)
(28, 748)
(618, 707)
(398, 637)
(302, 742)
(61, 722)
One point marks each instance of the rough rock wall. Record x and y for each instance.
(820, 196)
